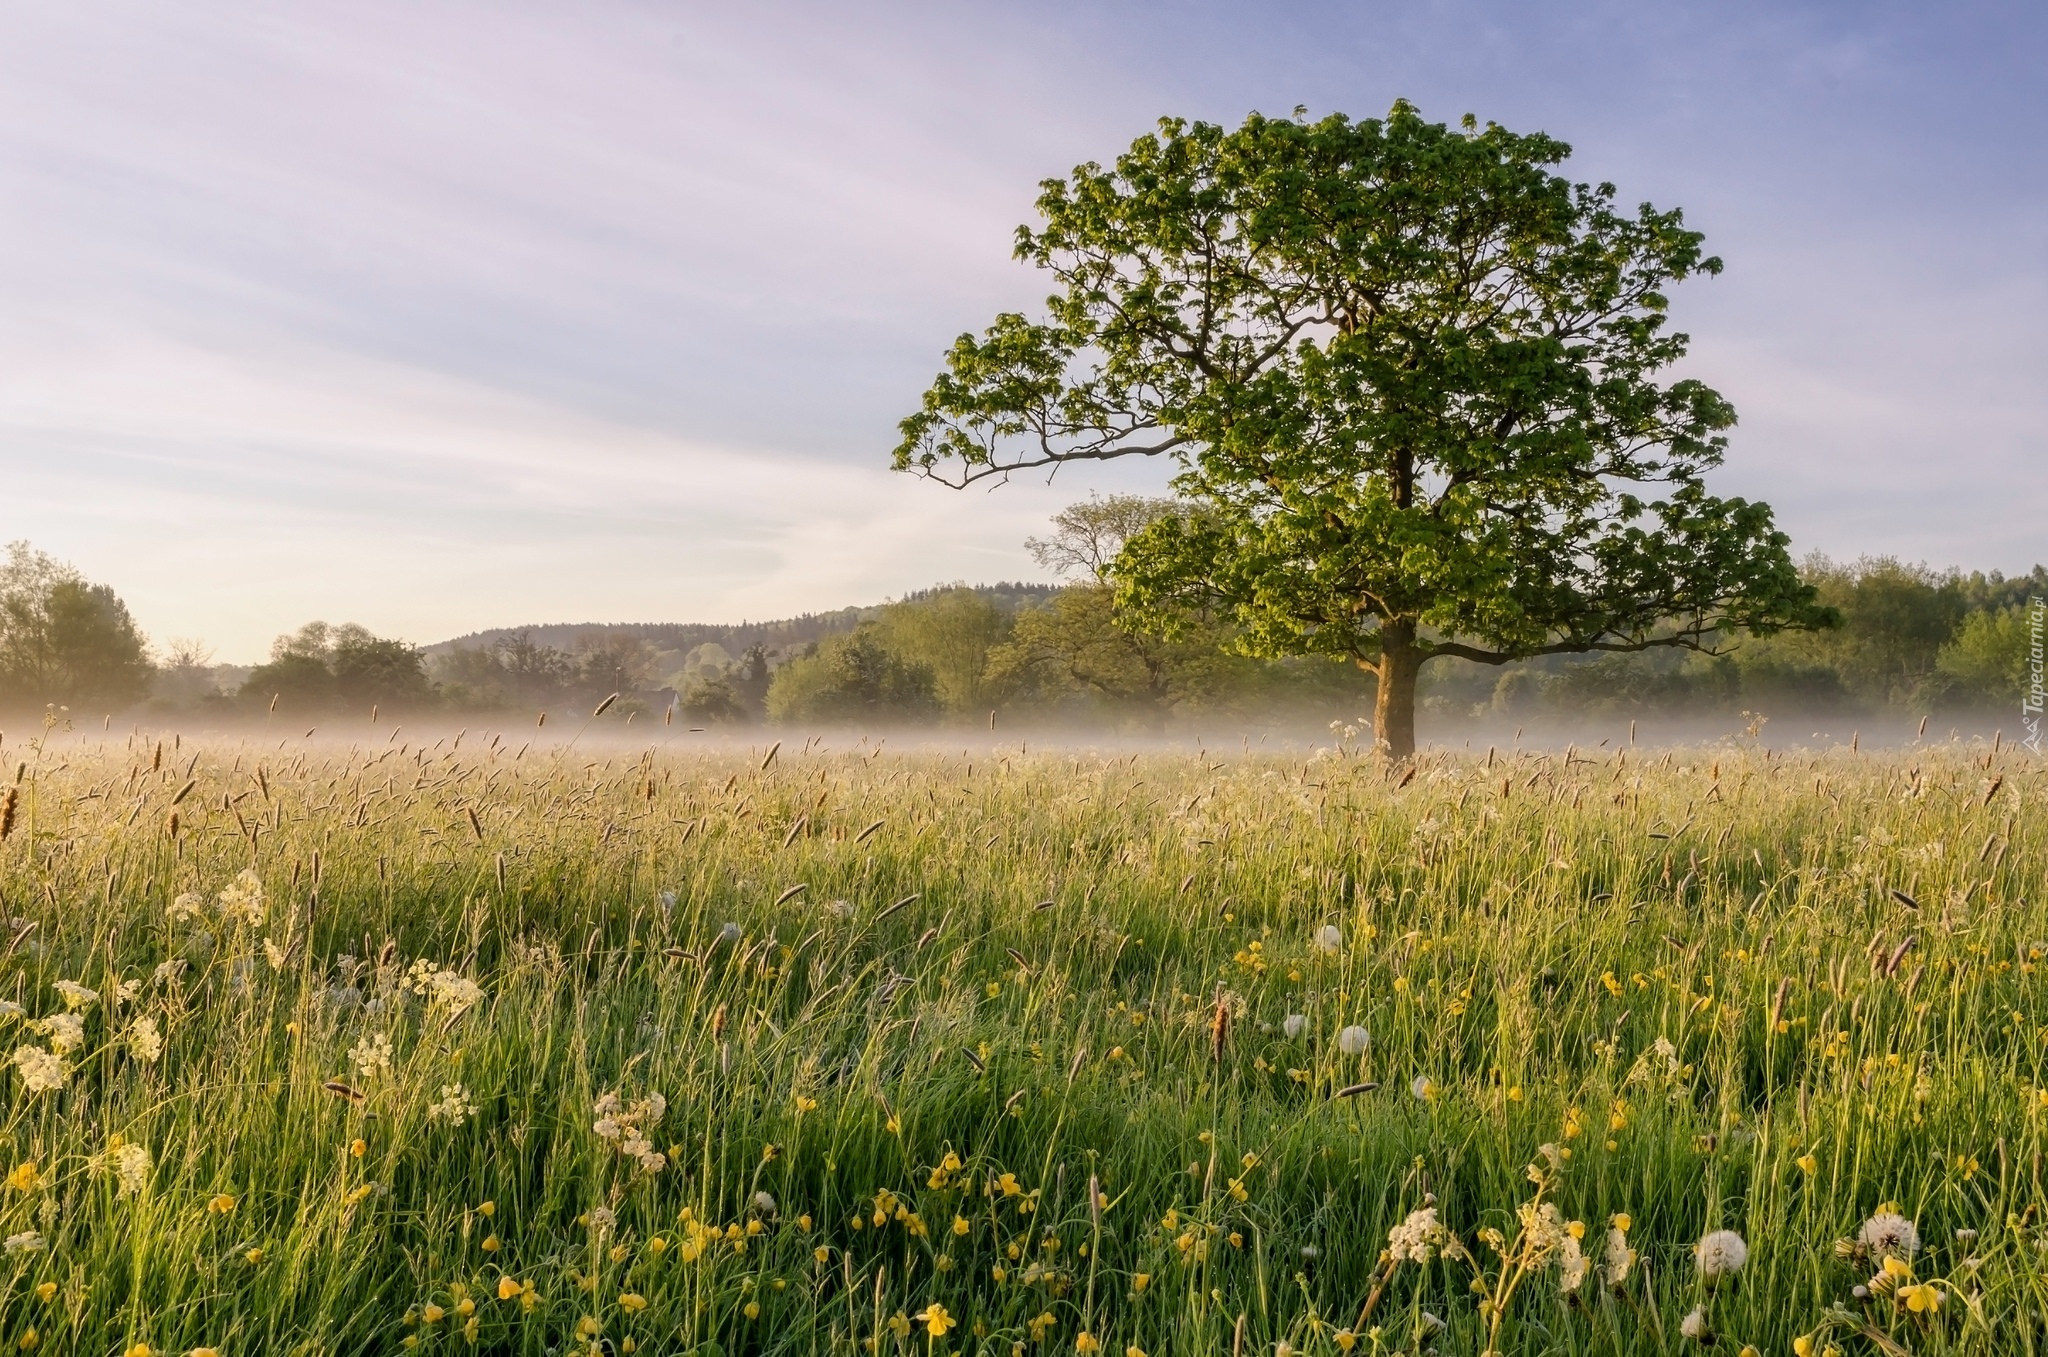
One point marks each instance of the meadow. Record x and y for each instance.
(829, 1048)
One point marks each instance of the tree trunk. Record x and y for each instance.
(1393, 709)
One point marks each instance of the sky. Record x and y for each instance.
(438, 316)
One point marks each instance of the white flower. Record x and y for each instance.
(603, 1220)
(455, 992)
(28, 1241)
(764, 1205)
(1416, 1238)
(1720, 1254)
(455, 1107)
(371, 1055)
(1424, 1088)
(1293, 1024)
(668, 899)
(10, 1009)
(65, 1030)
(1889, 1235)
(125, 991)
(1543, 1228)
(145, 1040)
(242, 901)
(1572, 1264)
(186, 907)
(729, 932)
(132, 1163)
(1618, 1259)
(1329, 938)
(41, 1071)
(167, 971)
(840, 909)
(274, 954)
(1694, 1325)
(75, 995)
(1353, 1040)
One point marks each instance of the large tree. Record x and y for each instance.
(1413, 382)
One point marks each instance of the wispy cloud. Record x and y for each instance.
(443, 316)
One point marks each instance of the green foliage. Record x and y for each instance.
(1410, 377)
(853, 679)
(65, 640)
(950, 632)
(713, 701)
(320, 668)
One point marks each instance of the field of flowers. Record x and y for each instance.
(473, 1047)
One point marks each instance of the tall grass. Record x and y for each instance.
(1705, 989)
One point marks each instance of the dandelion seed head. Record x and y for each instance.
(1720, 1254)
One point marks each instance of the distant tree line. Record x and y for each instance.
(1911, 640)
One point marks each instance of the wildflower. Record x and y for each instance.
(371, 1055)
(24, 1176)
(1572, 1265)
(1424, 1088)
(145, 1040)
(41, 1071)
(66, 1031)
(28, 1241)
(1084, 1342)
(221, 1204)
(242, 900)
(167, 971)
(1921, 1298)
(632, 1302)
(1618, 1258)
(75, 995)
(508, 1289)
(1720, 1254)
(140, 1350)
(1353, 1040)
(490, 1244)
(1292, 1025)
(936, 1320)
(1694, 1325)
(752, 1310)
(1808, 1165)
(729, 932)
(274, 954)
(10, 1009)
(1416, 1238)
(455, 1107)
(1329, 938)
(1890, 1235)
(185, 907)
(603, 1220)
(131, 1163)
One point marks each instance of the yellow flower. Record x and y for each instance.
(1620, 1220)
(30, 1341)
(657, 1246)
(960, 1225)
(1134, 1351)
(24, 1176)
(253, 1256)
(140, 1350)
(465, 1307)
(358, 1147)
(753, 1310)
(936, 1320)
(1346, 1340)
(433, 1313)
(487, 1210)
(1807, 1164)
(588, 1327)
(1802, 1346)
(46, 1292)
(507, 1288)
(490, 1244)
(1141, 1281)
(821, 1253)
(221, 1204)
(632, 1302)
(1921, 1298)
(1085, 1342)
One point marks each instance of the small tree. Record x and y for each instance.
(1410, 380)
(64, 639)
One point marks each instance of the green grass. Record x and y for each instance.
(1519, 933)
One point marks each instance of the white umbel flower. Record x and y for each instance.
(1417, 1238)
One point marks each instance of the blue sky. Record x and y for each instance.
(438, 316)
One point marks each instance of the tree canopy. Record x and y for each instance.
(1413, 382)
(63, 639)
